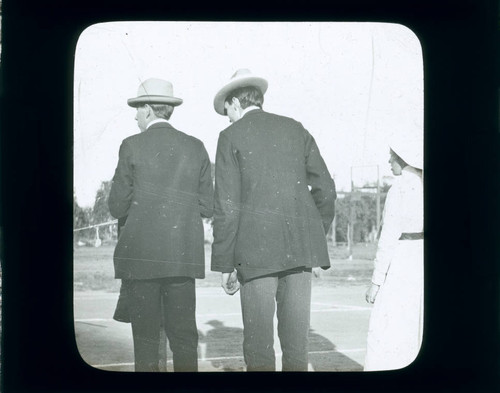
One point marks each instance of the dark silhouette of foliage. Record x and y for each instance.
(364, 214)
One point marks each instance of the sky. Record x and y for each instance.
(352, 86)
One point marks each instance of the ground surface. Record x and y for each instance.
(339, 316)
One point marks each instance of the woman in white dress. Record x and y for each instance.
(396, 291)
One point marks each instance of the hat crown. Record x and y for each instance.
(155, 91)
(155, 87)
(410, 148)
(242, 72)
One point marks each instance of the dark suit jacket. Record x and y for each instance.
(163, 184)
(274, 198)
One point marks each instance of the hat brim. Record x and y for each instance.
(138, 101)
(220, 97)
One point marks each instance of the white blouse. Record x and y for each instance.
(403, 212)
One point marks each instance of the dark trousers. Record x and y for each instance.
(174, 299)
(290, 293)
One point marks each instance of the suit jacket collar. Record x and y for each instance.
(257, 110)
(162, 124)
(238, 124)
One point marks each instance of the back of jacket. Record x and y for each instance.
(274, 198)
(163, 184)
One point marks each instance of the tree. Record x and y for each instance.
(81, 219)
(342, 218)
(100, 211)
(364, 214)
(81, 216)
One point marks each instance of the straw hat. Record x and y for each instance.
(154, 91)
(410, 147)
(241, 78)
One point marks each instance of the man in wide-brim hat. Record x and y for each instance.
(163, 185)
(274, 204)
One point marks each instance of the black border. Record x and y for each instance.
(459, 38)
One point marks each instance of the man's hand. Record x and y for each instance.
(371, 293)
(230, 283)
(316, 271)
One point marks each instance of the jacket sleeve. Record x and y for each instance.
(226, 206)
(206, 187)
(321, 183)
(121, 192)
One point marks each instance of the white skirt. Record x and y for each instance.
(396, 321)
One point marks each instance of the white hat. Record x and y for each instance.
(154, 91)
(241, 78)
(410, 147)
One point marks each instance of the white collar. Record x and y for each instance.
(155, 121)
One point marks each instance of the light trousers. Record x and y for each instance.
(289, 294)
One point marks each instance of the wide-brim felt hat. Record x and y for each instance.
(241, 78)
(155, 91)
(409, 146)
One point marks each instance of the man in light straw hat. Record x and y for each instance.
(396, 290)
(274, 204)
(163, 184)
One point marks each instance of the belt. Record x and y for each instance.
(411, 236)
